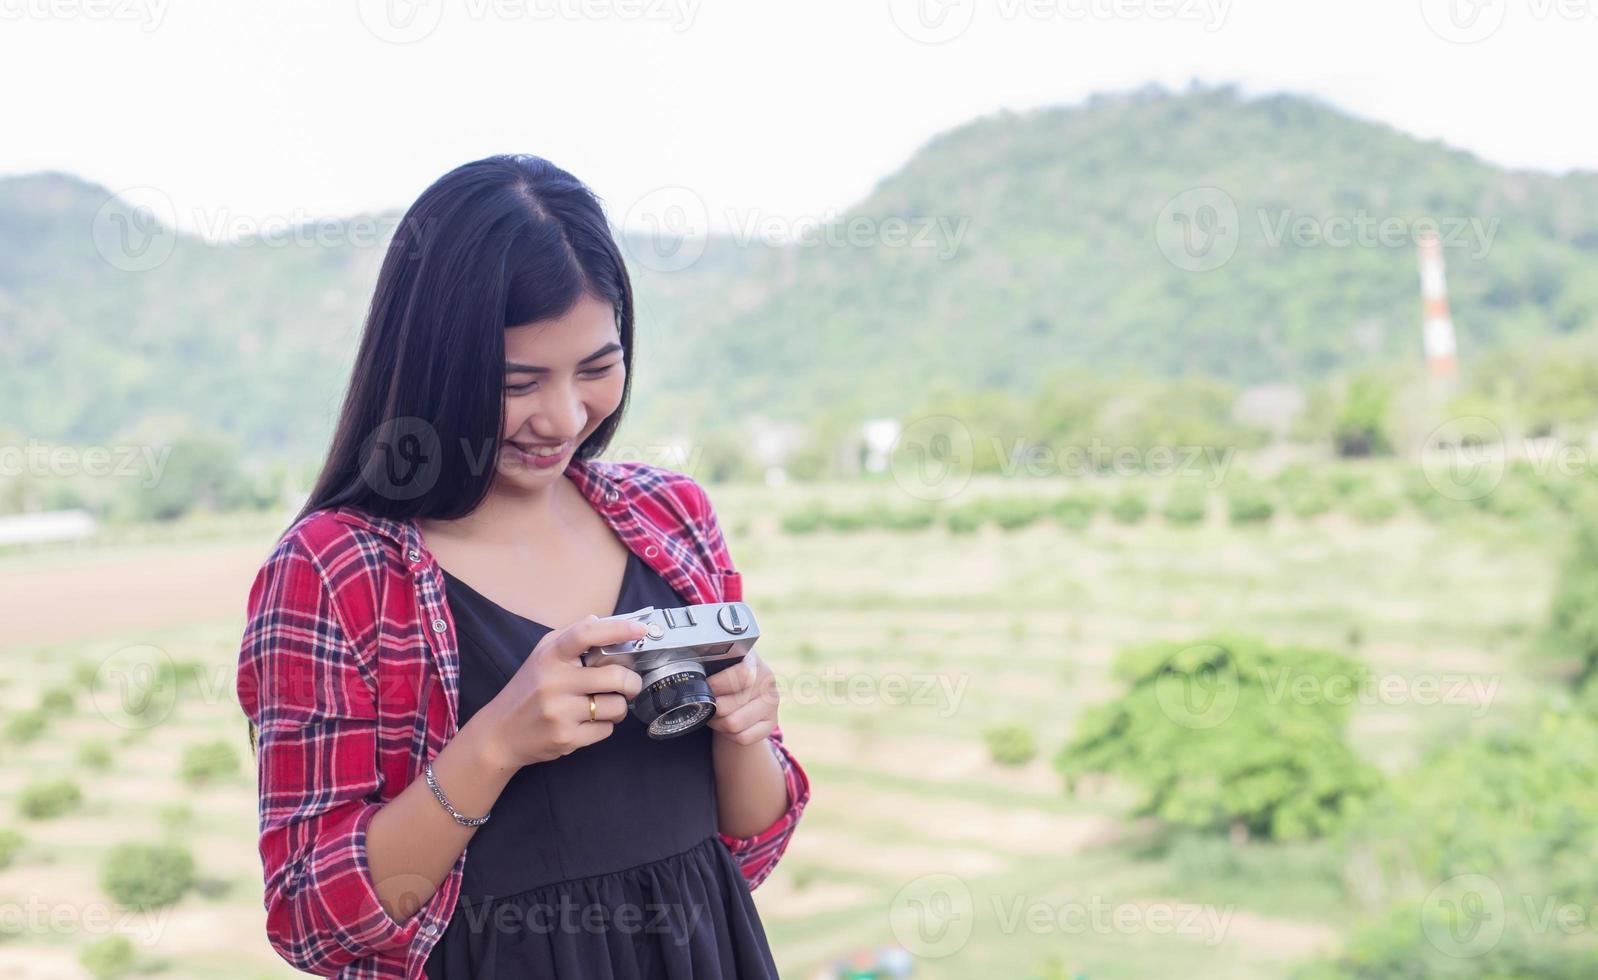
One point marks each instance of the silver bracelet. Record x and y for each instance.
(460, 818)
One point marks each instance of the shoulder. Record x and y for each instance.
(346, 549)
(649, 486)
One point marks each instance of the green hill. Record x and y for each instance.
(1004, 250)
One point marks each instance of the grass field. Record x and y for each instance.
(896, 650)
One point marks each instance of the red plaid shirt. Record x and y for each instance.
(349, 671)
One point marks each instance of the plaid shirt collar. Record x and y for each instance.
(595, 478)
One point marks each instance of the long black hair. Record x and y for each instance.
(495, 243)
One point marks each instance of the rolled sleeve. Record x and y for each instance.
(314, 712)
(757, 856)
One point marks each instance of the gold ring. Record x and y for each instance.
(593, 709)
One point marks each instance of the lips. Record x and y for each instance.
(541, 448)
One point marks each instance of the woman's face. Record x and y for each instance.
(563, 378)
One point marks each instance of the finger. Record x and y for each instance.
(573, 641)
(607, 708)
(737, 677)
(736, 718)
(588, 734)
(750, 735)
(610, 678)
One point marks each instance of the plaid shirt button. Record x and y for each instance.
(414, 555)
(439, 626)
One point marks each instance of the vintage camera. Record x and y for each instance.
(684, 645)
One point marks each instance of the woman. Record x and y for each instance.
(446, 791)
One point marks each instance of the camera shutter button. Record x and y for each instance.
(654, 632)
(728, 618)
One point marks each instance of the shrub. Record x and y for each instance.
(1075, 510)
(94, 754)
(964, 520)
(10, 844)
(1307, 500)
(108, 958)
(1011, 745)
(1129, 507)
(25, 726)
(148, 875)
(176, 816)
(1371, 506)
(1248, 503)
(41, 801)
(1572, 629)
(58, 701)
(1014, 513)
(209, 761)
(906, 518)
(1186, 505)
(804, 520)
(846, 521)
(1229, 734)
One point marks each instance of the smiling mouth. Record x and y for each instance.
(532, 449)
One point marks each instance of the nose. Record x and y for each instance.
(561, 415)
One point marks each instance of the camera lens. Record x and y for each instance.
(675, 700)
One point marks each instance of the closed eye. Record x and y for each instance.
(524, 387)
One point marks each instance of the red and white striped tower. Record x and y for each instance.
(1437, 327)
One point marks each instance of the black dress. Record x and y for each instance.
(604, 863)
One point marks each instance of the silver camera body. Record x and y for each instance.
(683, 646)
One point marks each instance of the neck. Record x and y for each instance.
(519, 516)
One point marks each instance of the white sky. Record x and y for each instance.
(250, 110)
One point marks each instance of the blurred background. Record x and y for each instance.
(1158, 436)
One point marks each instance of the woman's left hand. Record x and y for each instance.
(746, 701)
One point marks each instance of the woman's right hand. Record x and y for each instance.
(542, 712)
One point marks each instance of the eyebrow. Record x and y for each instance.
(511, 367)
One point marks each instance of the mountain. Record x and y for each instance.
(1087, 237)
